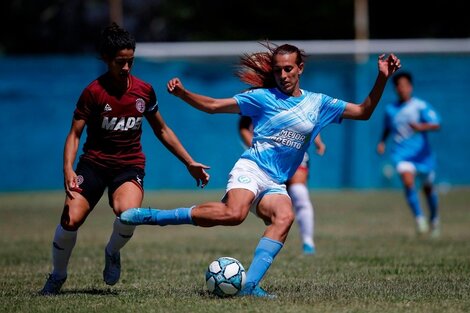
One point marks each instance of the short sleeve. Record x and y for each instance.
(331, 110)
(152, 105)
(249, 102)
(84, 105)
(429, 115)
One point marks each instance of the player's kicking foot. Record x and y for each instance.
(139, 216)
(52, 286)
(255, 291)
(112, 268)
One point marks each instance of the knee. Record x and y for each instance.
(284, 219)
(70, 223)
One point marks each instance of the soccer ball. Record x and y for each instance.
(225, 277)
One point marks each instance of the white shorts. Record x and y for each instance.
(405, 166)
(246, 174)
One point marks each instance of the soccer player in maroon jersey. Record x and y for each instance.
(112, 109)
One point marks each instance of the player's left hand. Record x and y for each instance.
(175, 87)
(197, 170)
(388, 64)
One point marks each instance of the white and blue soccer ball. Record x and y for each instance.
(225, 277)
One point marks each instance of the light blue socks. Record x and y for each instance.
(265, 253)
(148, 216)
(413, 201)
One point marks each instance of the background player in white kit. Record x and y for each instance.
(407, 122)
(286, 120)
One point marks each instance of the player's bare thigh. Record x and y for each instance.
(277, 210)
(75, 212)
(128, 195)
(408, 179)
(299, 177)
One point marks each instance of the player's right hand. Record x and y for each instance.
(71, 184)
(198, 171)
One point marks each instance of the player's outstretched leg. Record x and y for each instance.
(265, 253)
(149, 216)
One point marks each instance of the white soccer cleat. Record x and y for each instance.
(435, 230)
(422, 226)
(112, 268)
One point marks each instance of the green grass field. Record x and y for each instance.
(368, 259)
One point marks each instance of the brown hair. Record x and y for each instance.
(256, 69)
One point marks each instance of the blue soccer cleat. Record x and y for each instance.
(52, 286)
(255, 291)
(112, 268)
(139, 216)
(308, 249)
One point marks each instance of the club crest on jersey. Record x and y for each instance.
(140, 105)
(80, 180)
(244, 179)
(312, 116)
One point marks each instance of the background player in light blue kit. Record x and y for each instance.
(407, 121)
(286, 119)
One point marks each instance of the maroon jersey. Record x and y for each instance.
(114, 122)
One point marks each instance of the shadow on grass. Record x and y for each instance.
(89, 291)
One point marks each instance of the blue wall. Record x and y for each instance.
(38, 96)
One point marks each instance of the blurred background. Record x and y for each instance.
(48, 57)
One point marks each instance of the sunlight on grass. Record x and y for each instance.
(368, 259)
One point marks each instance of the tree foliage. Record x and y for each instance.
(71, 26)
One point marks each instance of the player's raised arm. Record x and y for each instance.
(386, 67)
(201, 102)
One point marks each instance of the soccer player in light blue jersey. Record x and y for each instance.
(296, 188)
(286, 119)
(407, 122)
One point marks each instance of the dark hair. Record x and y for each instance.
(113, 39)
(288, 49)
(399, 75)
(256, 69)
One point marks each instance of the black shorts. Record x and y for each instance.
(93, 180)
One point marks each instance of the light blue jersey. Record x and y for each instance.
(284, 127)
(408, 144)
